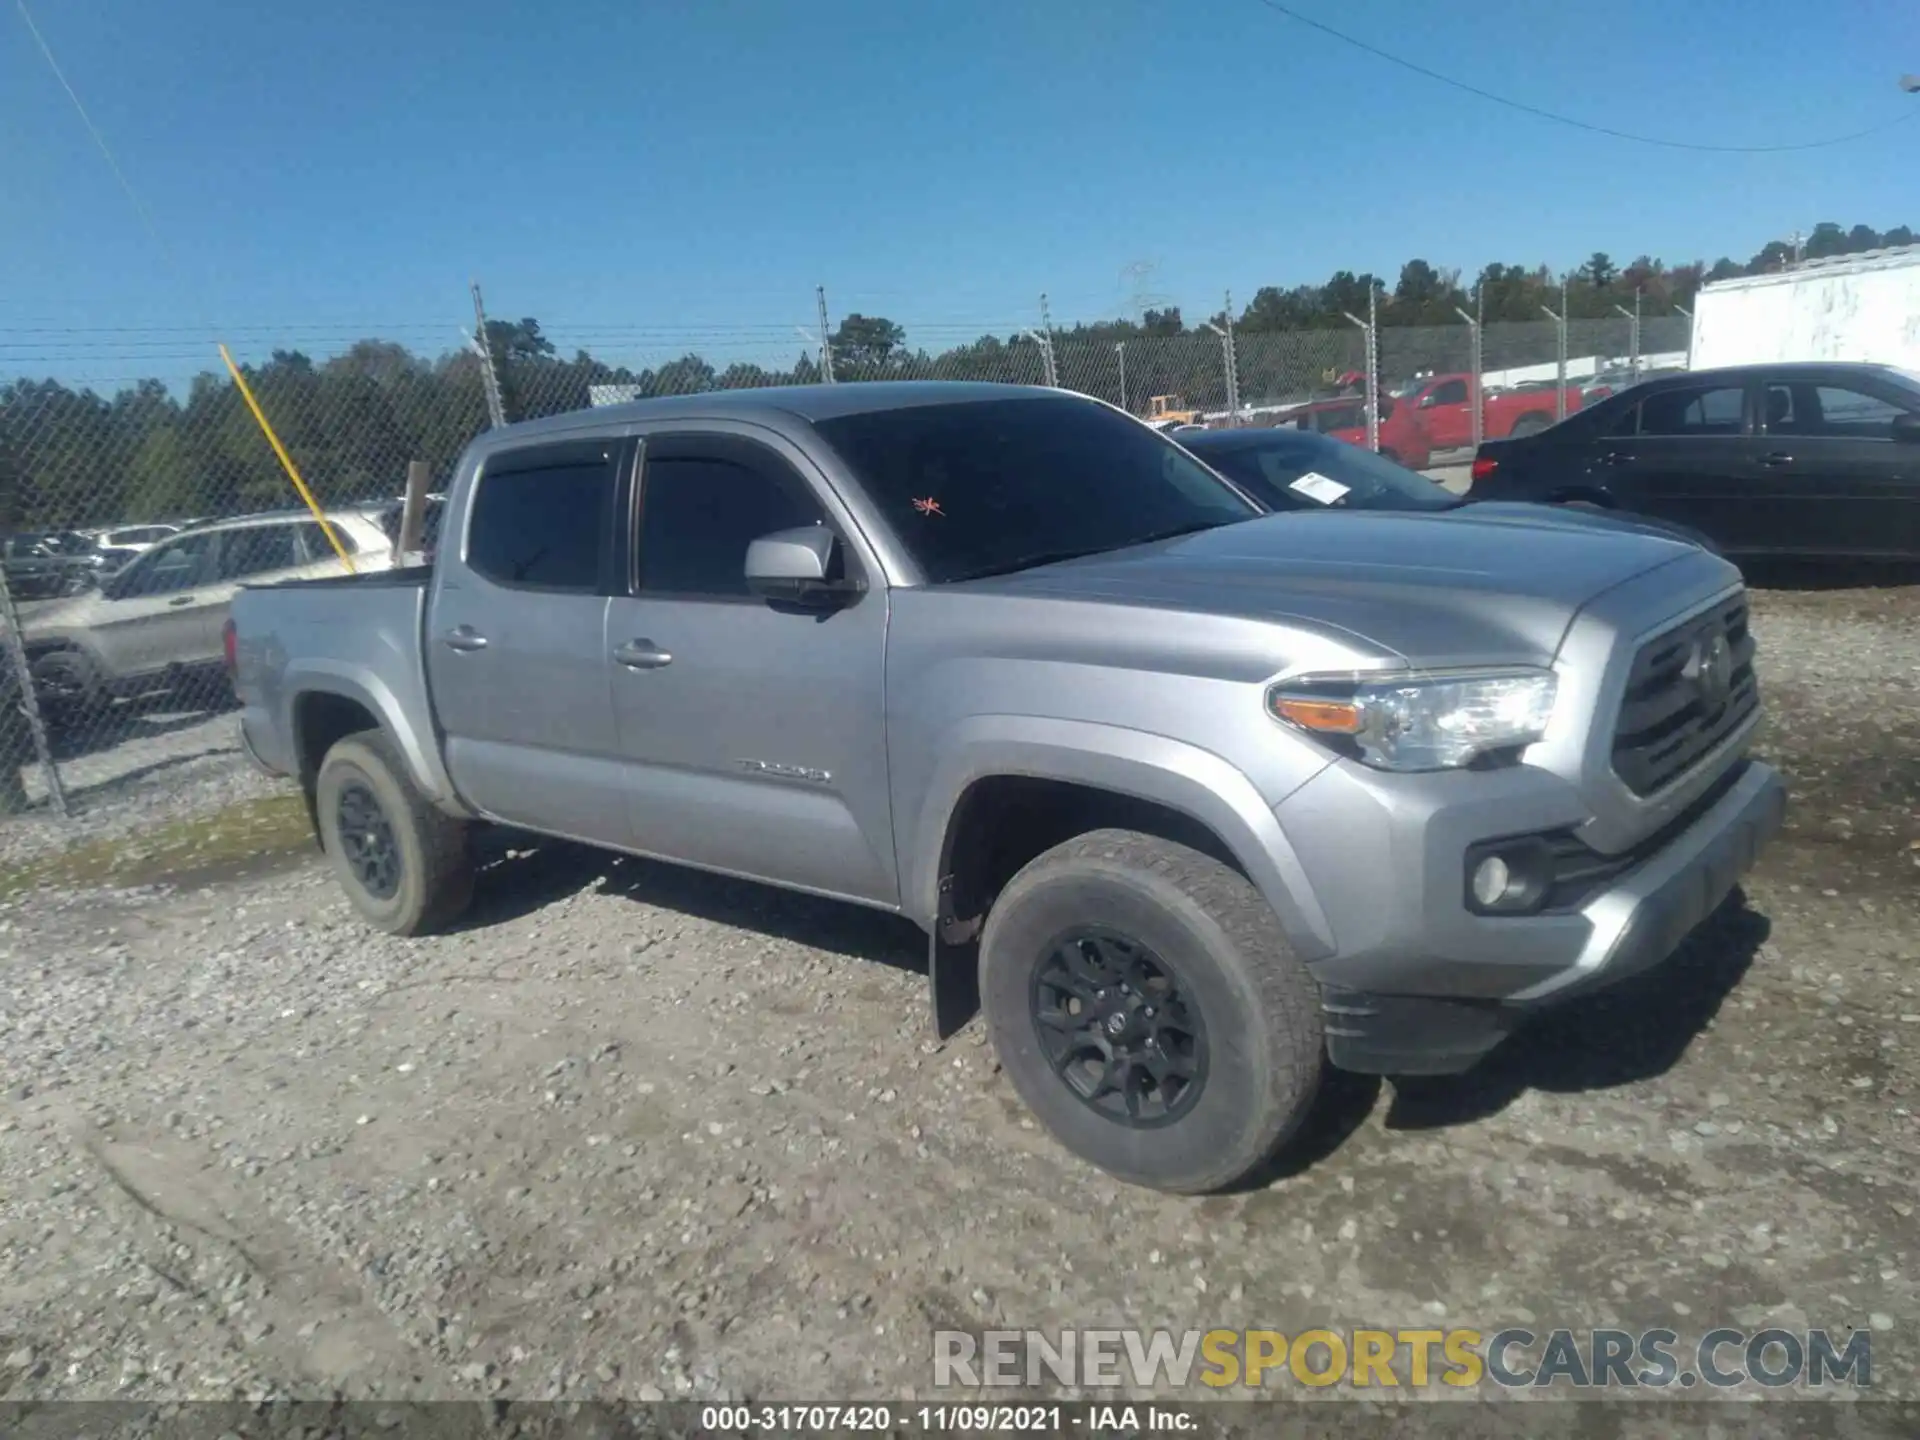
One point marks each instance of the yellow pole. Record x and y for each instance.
(286, 460)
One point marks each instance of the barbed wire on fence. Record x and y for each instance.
(119, 626)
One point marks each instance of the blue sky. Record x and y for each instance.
(632, 173)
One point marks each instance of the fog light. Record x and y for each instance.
(1491, 881)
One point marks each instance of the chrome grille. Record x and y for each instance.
(1689, 689)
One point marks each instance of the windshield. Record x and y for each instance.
(991, 486)
(1293, 471)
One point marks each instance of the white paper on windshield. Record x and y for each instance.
(1316, 486)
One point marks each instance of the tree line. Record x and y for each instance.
(71, 457)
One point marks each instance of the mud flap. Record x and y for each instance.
(953, 978)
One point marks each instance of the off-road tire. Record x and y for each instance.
(435, 883)
(1259, 1005)
(1529, 425)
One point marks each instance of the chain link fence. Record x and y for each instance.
(133, 508)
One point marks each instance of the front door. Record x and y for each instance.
(151, 614)
(1835, 482)
(1446, 414)
(516, 641)
(754, 734)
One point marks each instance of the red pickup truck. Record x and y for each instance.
(1442, 406)
(1402, 437)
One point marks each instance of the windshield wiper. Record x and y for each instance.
(1055, 557)
(1192, 527)
(1029, 562)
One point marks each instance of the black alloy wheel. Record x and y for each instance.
(367, 842)
(1118, 1029)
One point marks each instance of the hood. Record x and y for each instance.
(1476, 585)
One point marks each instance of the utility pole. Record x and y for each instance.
(1560, 334)
(1373, 365)
(826, 342)
(496, 408)
(1120, 349)
(1633, 334)
(1473, 383)
(13, 794)
(1233, 364)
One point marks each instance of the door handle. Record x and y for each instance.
(181, 600)
(1616, 457)
(465, 637)
(1776, 459)
(641, 655)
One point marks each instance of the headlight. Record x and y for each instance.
(1435, 721)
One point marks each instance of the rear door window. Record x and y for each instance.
(257, 550)
(542, 518)
(1694, 411)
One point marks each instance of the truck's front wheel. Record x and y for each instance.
(1144, 1002)
(404, 864)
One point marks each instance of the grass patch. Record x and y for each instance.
(230, 838)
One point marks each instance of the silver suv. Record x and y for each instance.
(157, 621)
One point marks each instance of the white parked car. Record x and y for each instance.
(157, 621)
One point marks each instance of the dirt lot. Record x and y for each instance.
(637, 1132)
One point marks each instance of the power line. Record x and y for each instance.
(1559, 119)
(106, 151)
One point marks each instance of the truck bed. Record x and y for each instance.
(355, 637)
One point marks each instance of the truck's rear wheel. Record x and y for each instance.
(1147, 1007)
(1530, 425)
(404, 864)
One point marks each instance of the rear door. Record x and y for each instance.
(249, 555)
(516, 646)
(1835, 481)
(1687, 453)
(754, 733)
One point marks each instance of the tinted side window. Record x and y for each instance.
(542, 518)
(700, 512)
(1450, 392)
(256, 550)
(178, 565)
(1696, 411)
(1853, 414)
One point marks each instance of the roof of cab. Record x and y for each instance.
(807, 402)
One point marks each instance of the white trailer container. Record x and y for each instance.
(1853, 307)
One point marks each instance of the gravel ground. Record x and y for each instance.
(638, 1132)
(159, 766)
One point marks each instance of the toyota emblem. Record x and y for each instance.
(1710, 667)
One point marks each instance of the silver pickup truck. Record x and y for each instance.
(1189, 798)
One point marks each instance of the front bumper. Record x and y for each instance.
(1398, 1003)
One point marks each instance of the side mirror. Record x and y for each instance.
(1426, 402)
(1906, 428)
(802, 566)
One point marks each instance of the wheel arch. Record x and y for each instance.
(1015, 787)
(322, 699)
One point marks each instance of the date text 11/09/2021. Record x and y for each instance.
(1089, 1419)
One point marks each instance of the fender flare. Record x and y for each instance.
(1182, 777)
(367, 689)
